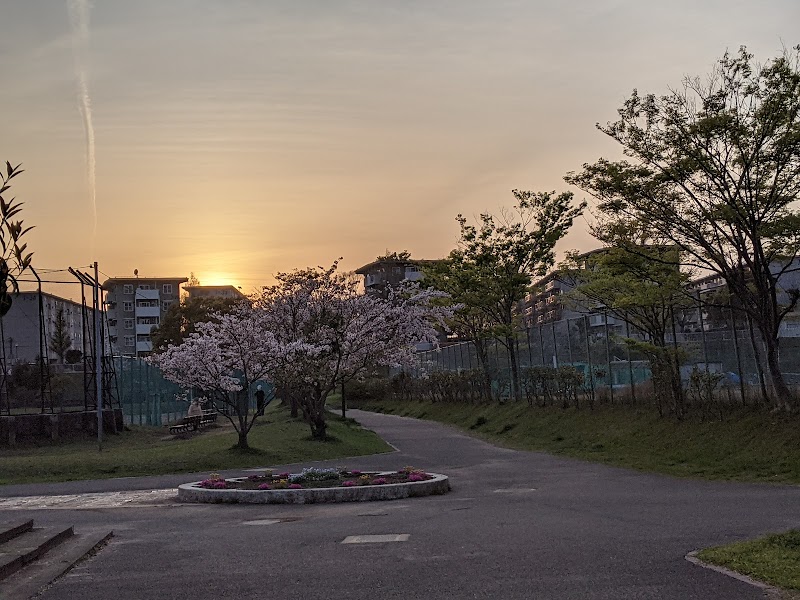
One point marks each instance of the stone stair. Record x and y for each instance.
(31, 557)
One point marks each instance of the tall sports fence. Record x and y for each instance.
(597, 349)
(147, 398)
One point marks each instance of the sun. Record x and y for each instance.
(214, 278)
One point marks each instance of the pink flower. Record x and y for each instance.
(355, 472)
(415, 477)
(348, 483)
(265, 486)
(379, 481)
(295, 486)
(284, 475)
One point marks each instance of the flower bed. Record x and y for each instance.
(316, 485)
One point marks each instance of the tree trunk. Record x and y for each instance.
(483, 358)
(512, 357)
(783, 395)
(242, 443)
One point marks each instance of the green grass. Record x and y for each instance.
(278, 439)
(747, 446)
(773, 559)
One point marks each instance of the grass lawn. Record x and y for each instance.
(276, 439)
(774, 559)
(747, 446)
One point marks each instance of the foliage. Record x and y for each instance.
(182, 318)
(401, 256)
(73, 356)
(643, 285)
(345, 334)
(496, 260)
(60, 340)
(224, 358)
(714, 169)
(546, 386)
(13, 260)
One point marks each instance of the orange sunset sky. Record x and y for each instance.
(241, 138)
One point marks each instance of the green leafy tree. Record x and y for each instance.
(713, 167)
(642, 285)
(13, 259)
(503, 253)
(468, 320)
(60, 340)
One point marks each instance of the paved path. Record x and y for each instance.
(516, 525)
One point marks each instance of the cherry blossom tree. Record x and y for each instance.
(344, 334)
(224, 358)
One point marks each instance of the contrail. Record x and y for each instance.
(79, 16)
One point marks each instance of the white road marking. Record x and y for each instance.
(376, 539)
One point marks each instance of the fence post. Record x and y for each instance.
(608, 360)
(630, 364)
(555, 344)
(589, 358)
(738, 356)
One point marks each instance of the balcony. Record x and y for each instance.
(148, 311)
(144, 346)
(146, 294)
(414, 275)
(144, 329)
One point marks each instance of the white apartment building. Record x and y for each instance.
(134, 306)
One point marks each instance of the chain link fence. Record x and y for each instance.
(596, 348)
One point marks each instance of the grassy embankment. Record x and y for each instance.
(773, 559)
(276, 439)
(747, 446)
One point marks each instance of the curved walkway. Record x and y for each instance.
(516, 525)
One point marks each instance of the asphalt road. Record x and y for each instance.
(516, 525)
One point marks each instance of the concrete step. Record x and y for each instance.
(27, 547)
(30, 580)
(11, 529)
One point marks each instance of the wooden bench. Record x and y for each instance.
(194, 423)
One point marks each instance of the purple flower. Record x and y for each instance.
(348, 483)
(379, 481)
(295, 486)
(265, 486)
(284, 475)
(355, 472)
(415, 477)
(220, 484)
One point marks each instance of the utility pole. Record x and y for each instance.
(98, 361)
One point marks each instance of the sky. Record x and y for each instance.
(238, 139)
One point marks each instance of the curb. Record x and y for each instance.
(692, 558)
(440, 484)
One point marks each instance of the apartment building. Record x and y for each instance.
(21, 326)
(213, 291)
(134, 306)
(388, 271)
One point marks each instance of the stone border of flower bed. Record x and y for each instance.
(439, 484)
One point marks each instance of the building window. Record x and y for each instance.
(167, 288)
(143, 337)
(129, 340)
(147, 321)
(127, 306)
(144, 286)
(128, 323)
(166, 304)
(127, 288)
